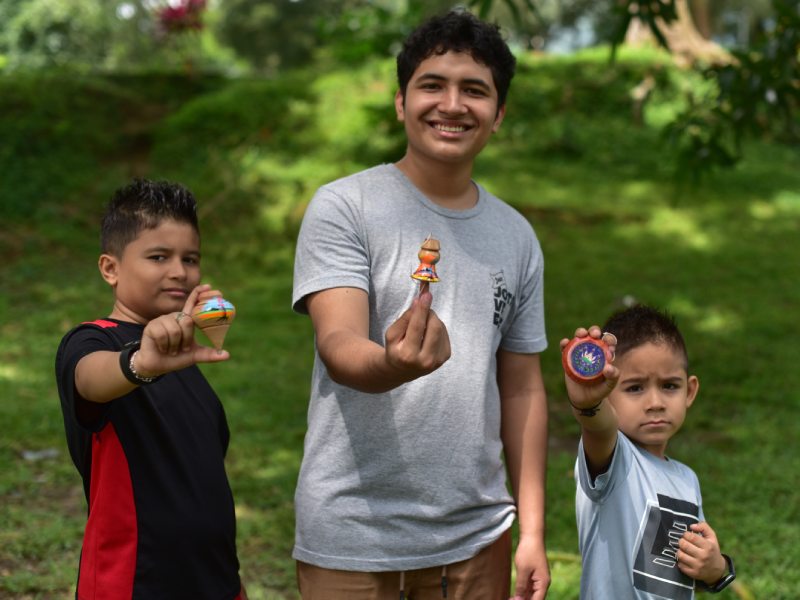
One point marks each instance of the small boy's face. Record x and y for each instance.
(449, 108)
(155, 273)
(652, 395)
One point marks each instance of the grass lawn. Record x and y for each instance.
(723, 255)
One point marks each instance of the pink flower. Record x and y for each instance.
(183, 15)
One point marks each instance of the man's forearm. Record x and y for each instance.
(417, 343)
(524, 433)
(357, 362)
(525, 442)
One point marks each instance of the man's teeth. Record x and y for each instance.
(450, 128)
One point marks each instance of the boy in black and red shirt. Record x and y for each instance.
(144, 428)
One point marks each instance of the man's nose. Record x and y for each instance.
(451, 101)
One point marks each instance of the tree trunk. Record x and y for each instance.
(701, 14)
(685, 42)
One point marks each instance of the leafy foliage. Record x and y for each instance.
(760, 92)
(757, 94)
(274, 35)
(47, 141)
(484, 7)
(107, 35)
(653, 13)
(54, 32)
(57, 127)
(367, 30)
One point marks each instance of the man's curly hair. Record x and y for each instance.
(458, 31)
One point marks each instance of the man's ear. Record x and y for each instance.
(692, 387)
(109, 268)
(399, 105)
(501, 113)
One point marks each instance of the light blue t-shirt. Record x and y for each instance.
(414, 477)
(630, 519)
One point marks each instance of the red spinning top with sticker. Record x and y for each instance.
(584, 359)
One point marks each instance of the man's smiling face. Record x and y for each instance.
(450, 108)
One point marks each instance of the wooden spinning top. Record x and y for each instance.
(583, 359)
(428, 256)
(213, 316)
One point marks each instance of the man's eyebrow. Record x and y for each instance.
(469, 80)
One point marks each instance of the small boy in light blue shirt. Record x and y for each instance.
(641, 528)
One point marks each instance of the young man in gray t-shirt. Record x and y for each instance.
(403, 484)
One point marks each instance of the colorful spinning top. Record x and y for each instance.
(213, 316)
(428, 256)
(584, 359)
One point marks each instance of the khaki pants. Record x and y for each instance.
(485, 576)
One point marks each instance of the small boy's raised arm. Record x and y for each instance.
(167, 345)
(591, 409)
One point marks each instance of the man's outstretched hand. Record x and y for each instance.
(418, 342)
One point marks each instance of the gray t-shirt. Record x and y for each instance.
(629, 522)
(413, 477)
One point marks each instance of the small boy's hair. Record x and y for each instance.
(458, 31)
(144, 204)
(641, 324)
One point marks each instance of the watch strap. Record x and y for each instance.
(724, 581)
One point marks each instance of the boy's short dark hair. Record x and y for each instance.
(640, 324)
(144, 204)
(458, 31)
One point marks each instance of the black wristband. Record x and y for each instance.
(126, 365)
(588, 412)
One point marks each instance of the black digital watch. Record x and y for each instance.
(724, 581)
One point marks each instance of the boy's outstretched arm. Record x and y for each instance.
(699, 555)
(167, 345)
(592, 410)
(416, 344)
(524, 434)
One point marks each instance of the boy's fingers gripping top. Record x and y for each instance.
(186, 325)
(191, 300)
(609, 338)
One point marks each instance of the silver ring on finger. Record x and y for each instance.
(179, 316)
